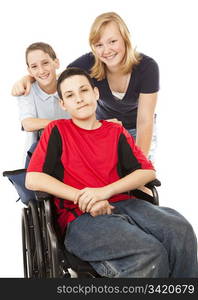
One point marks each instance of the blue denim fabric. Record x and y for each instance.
(137, 240)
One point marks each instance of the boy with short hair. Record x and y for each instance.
(41, 106)
(89, 165)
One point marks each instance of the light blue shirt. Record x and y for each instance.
(39, 104)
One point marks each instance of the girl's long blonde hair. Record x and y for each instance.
(131, 58)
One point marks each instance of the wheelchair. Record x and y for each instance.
(44, 253)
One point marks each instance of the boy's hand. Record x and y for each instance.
(114, 121)
(22, 87)
(101, 208)
(87, 197)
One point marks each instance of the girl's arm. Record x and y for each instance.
(145, 119)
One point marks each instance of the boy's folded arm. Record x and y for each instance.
(43, 182)
(87, 197)
(132, 181)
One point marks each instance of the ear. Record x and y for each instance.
(61, 103)
(96, 92)
(57, 63)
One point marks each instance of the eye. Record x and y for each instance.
(84, 90)
(98, 45)
(33, 67)
(46, 63)
(113, 41)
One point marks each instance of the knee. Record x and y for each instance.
(182, 229)
(153, 263)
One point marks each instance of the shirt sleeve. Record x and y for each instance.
(130, 156)
(47, 155)
(149, 77)
(27, 107)
(84, 62)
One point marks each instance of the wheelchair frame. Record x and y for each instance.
(44, 255)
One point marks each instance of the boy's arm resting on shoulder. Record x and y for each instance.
(87, 197)
(33, 124)
(28, 114)
(22, 86)
(38, 181)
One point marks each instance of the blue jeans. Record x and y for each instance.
(137, 240)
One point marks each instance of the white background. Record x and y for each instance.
(165, 30)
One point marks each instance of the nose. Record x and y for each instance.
(79, 98)
(41, 69)
(106, 49)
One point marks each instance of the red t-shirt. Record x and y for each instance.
(86, 158)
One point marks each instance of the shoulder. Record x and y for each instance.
(146, 63)
(85, 61)
(147, 73)
(113, 126)
(56, 129)
(59, 123)
(119, 132)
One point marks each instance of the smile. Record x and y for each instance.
(44, 77)
(109, 57)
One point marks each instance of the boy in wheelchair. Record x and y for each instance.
(89, 165)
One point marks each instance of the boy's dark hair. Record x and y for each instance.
(71, 72)
(40, 46)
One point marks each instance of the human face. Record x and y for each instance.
(79, 98)
(43, 68)
(110, 48)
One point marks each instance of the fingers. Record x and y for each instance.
(85, 199)
(101, 209)
(90, 204)
(18, 89)
(114, 121)
(85, 202)
(110, 208)
(28, 87)
(78, 195)
(88, 198)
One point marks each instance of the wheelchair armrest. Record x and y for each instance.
(41, 196)
(153, 183)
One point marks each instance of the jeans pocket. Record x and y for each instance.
(105, 268)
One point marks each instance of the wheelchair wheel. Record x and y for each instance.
(32, 245)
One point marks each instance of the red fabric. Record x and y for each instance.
(89, 158)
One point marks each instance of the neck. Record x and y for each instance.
(49, 89)
(88, 124)
(114, 71)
